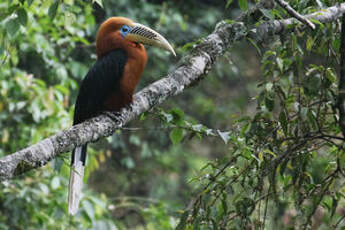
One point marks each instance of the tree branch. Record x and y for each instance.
(191, 70)
(295, 14)
(267, 29)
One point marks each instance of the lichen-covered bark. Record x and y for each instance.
(192, 69)
(267, 29)
(295, 14)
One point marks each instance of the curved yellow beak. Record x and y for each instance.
(147, 36)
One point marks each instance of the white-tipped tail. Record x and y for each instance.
(75, 182)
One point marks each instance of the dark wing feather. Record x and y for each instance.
(101, 80)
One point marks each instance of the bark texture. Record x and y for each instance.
(192, 69)
(295, 14)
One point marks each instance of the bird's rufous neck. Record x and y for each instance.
(135, 65)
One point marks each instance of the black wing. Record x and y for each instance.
(101, 80)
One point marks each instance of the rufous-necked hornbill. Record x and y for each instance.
(110, 83)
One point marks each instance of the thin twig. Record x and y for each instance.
(339, 221)
(295, 14)
(266, 206)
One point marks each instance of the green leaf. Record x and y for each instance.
(188, 46)
(62, 89)
(42, 216)
(89, 209)
(228, 3)
(243, 5)
(269, 103)
(280, 64)
(22, 16)
(12, 26)
(267, 13)
(330, 75)
(284, 122)
(53, 9)
(70, 18)
(317, 22)
(336, 44)
(176, 135)
(178, 115)
(255, 45)
(55, 182)
(183, 221)
(143, 116)
(99, 2)
(44, 188)
(269, 86)
(224, 135)
(310, 42)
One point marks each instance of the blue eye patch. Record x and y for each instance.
(125, 30)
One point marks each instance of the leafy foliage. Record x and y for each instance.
(285, 163)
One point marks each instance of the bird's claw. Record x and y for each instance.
(112, 115)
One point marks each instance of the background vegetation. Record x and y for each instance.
(254, 145)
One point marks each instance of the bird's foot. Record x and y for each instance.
(112, 115)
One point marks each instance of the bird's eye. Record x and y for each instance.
(124, 30)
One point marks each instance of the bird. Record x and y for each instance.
(110, 83)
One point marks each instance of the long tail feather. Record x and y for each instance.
(76, 178)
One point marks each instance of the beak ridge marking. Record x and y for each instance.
(145, 33)
(147, 36)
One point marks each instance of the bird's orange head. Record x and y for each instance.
(123, 33)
